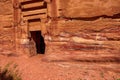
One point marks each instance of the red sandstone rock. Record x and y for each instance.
(89, 8)
(73, 31)
(74, 26)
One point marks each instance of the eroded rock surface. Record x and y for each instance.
(89, 8)
(68, 26)
(7, 35)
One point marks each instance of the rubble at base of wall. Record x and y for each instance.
(28, 47)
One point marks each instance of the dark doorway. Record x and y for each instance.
(39, 41)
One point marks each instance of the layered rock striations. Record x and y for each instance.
(6, 27)
(83, 28)
(87, 28)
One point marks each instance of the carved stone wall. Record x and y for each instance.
(7, 36)
(72, 26)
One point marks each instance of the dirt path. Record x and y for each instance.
(36, 69)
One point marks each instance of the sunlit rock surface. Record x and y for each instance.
(71, 26)
(90, 8)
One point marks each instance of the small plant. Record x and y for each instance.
(8, 73)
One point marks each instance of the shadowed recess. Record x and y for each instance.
(39, 41)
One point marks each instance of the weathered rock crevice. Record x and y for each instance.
(115, 16)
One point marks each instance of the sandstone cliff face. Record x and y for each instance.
(6, 7)
(6, 13)
(6, 26)
(76, 26)
(99, 35)
(87, 28)
(89, 8)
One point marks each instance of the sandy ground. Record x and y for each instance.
(36, 68)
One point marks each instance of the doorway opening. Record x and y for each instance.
(39, 41)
